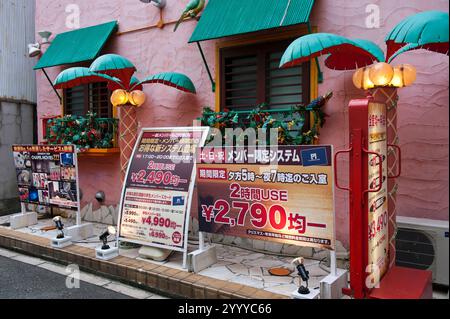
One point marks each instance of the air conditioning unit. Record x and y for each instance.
(423, 244)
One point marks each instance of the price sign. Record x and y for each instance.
(158, 187)
(283, 195)
(377, 201)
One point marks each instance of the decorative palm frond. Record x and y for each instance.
(426, 30)
(78, 76)
(345, 54)
(176, 80)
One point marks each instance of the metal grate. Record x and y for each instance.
(93, 98)
(250, 75)
(415, 249)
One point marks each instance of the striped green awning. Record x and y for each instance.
(223, 18)
(76, 46)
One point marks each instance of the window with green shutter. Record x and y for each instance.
(249, 76)
(94, 97)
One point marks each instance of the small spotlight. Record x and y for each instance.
(34, 49)
(111, 230)
(100, 196)
(59, 226)
(303, 274)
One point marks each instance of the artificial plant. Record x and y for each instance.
(290, 124)
(83, 131)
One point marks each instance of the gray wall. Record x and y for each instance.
(17, 78)
(16, 127)
(17, 92)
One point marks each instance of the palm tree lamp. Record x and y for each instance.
(375, 74)
(127, 94)
(60, 240)
(384, 75)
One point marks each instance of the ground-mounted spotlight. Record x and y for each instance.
(303, 275)
(60, 241)
(104, 237)
(105, 252)
(59, 226)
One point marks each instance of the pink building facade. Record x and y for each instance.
(423, 107)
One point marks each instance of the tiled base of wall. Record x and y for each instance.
(109, 215)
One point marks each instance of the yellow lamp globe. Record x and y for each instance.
(137, 98)
(404, 75)
(367, 82)
(358, 78)
(409, 74)
(119, 97)
(381, 74)
(397, 80)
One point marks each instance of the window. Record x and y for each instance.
(94, 97)
(250, 75)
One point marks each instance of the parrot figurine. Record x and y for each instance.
(319, 102)
(193, 8)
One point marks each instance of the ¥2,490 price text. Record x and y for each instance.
(155, 177)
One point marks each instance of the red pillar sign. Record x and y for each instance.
(369, 240)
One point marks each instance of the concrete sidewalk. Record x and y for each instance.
(35, 278)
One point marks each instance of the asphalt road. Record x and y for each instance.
(24, 281)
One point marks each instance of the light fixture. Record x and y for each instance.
(34, 49)
(367, 82)
(381, 74)
(358, 78)
(303, 274)
(45, 35)
(59, 226)
(404, 75)
(157, 3)
(137, 98)
(100, 196)
(361, 79)
(119, 97)
(104, 237)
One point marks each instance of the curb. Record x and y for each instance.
(146, 275)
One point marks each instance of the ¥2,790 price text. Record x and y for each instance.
(260, 215)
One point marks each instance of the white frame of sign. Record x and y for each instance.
(205, 131)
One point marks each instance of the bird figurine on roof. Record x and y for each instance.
(193, 8)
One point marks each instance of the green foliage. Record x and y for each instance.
(290, 123)
(84, 132)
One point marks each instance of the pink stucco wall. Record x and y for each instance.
(423, 109)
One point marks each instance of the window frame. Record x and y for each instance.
(267, 36)
(261, 50)
(87, 90)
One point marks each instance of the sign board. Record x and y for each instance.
(283, 194)
(157, 191)
(47, 175)
(378, 201)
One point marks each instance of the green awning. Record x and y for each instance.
(76, 46)
(232, 17)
